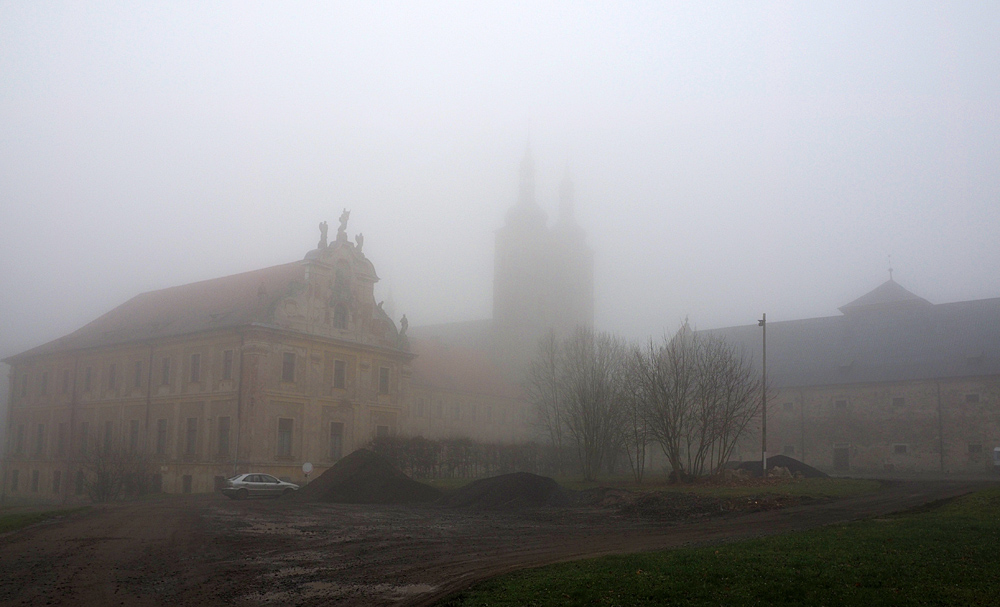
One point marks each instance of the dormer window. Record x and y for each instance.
(383, 380)
(340, 316)
(288, 367)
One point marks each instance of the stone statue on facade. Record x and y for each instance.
(322, 235)
(342, 230)
(360, 240)
(402, 341)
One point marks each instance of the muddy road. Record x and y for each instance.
(208, 550)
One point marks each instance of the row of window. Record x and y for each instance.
(190, 428)
(15, 481)
(975, 449)
(897, 402)
(113, 380)
(335, 374)
(286, 428)
(62, 438)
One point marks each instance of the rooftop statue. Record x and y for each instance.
(360, 240)
(342, 230)
(322, 236)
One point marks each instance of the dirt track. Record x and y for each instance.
(207, 550)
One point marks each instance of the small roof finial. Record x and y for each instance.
(890, 266)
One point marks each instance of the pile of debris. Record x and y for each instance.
(365, 477)
(508, 492)
(782, 465)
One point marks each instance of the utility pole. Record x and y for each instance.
(763, 401)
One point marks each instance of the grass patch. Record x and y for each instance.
(944, 555)
(17, 520)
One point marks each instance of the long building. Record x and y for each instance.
(894, 384)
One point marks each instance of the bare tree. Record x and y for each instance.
(575, 384)
(114, 471)
(665, 375)
(591, 362)
(543, 388)
(738, 401)
(698, 395)
(635, 436)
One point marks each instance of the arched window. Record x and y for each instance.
(340, 316)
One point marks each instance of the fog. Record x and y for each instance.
(728, 159)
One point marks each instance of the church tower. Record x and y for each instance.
(543, 277)
(572, 268)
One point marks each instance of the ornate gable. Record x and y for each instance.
(337, 296)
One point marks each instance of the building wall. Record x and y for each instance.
(179, 421)
(439, 414)
(947, 425)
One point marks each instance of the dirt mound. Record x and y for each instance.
(365, 477)
(508, 492)
(793, 465)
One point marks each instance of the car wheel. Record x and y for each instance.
(242, 494)
(287, 492)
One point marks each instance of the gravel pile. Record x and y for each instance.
(794, 466)
(365, 477)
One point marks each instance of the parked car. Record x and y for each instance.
(255, 484)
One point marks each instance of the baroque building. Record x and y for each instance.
(258, 371)
(266, 370)
(894, 384)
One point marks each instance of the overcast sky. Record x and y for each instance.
(729, 159)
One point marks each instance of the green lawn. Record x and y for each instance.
(10, 521)
(944, 555)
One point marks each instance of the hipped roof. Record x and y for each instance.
(889, 339)
(218, 303)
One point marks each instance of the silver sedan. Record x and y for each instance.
(254, 484)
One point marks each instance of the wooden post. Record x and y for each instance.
(763, 400)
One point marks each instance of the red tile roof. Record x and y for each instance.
(218, 303)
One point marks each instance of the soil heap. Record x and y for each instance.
(794, 466)
(508, 492)
(365, 477)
